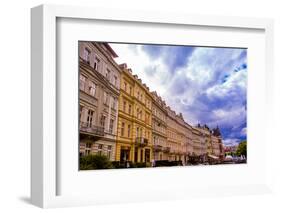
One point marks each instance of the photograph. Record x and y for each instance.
(161, 105)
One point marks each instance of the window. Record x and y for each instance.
(105, 97)
(109, 148)
(92, 88)
(124, 106)
(138, 95)
(102, 121)
(114, 103)
(100, 146)
(129, 131)
(114, 80)
(130, 109)
(122, 128)
(80, 113)
(88, 148)
(82, 82)
(97, 64)
(86, 55)
(130, 90)
(107, 74)
(137, 132)
(111, 123)
(125, 86)
(137, 112)
(141, 97)
(146, 118)
(90, 118)
(141, 115)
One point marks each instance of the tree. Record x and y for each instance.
(91, 162)
(242, 149)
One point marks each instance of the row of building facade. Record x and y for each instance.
(122, 119)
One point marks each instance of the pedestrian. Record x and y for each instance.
(153, 163)
(127, 164)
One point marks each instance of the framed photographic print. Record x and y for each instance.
(123, 124)
(149, 106)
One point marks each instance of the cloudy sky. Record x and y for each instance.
(207, 85)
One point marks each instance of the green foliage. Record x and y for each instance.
(242, 149)
(91, 162)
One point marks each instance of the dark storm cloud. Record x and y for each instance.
(220, 98)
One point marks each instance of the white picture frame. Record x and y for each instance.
(44, 149)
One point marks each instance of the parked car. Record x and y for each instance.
(228, 159)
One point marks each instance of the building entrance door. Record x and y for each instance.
(136, 155)
(147, 155)
(124, 155)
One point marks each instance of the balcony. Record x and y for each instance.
(141, 141)
(157, 148)
(96, 131)
(166, 149)
(182, 152)
(172, 152)
(178, 152)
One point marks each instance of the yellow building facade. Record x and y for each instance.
(134, 120)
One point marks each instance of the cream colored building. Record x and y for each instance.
(188, 138)
(217, 145)
(183, 134)
(99, 91)
(196, 141)
(176, 136)
(210, 141)
(159, 128)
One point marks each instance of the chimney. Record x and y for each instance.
(123, 66)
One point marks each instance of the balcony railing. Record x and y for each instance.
(157, 148)
(172, 151)
(141, 141)
(92, 129)
(166, 149)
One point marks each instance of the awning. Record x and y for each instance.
(213, 156)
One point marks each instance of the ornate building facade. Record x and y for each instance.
(217, 145)
(99, 91)
(159, 128)
(134, 121)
